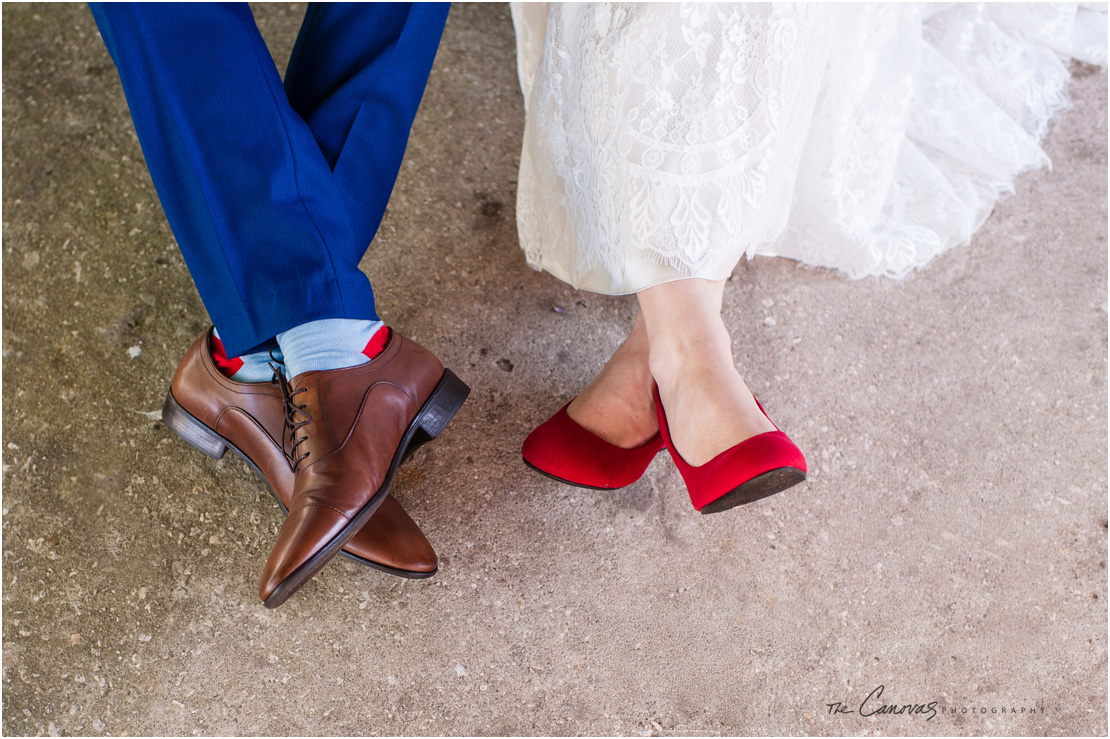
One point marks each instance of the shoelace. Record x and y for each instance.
(291, 409)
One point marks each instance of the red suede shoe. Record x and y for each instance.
(757, 467)
(567, 452)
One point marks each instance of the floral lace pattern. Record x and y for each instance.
(666, 141)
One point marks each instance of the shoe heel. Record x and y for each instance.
(444, 402)
(192, 432)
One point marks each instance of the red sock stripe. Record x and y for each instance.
(227, 365)
(377, 342)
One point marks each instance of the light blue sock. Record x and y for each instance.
(330, 343)
(254, 367)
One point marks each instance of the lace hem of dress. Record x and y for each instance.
(664, 142)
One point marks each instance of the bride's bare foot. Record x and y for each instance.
(709, 407)
(618, 404)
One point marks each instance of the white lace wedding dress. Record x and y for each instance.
(666, 141)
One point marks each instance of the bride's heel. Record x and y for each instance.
(760, 466)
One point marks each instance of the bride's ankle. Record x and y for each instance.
(681, 357)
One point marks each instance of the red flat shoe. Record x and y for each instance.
(567, 452)
(757, 467)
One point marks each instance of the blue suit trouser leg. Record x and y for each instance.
(273, 192)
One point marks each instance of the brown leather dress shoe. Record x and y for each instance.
(214, 414)
(352, 428)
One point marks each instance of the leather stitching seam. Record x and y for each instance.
(319, 505)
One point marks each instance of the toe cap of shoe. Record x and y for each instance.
(391, 538)
(306, 533)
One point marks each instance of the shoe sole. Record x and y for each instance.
(569, 482)
(202, 438)
(429, 422)
(757, 488)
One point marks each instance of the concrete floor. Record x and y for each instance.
(949, 545)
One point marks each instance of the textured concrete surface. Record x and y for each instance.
(950, 544)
